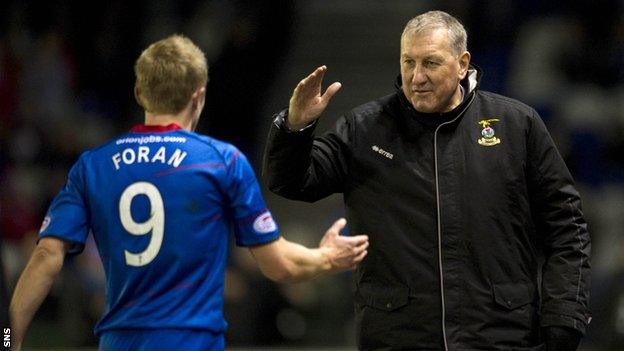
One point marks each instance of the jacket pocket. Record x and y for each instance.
(540, 347)
(512, 296)
(385, 298)
(380, 314)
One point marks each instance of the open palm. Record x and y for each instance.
(307, 103)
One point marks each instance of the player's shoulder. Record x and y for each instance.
(218, 150)
(221, 148)
(95, 151)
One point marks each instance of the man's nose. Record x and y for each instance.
(418, 75)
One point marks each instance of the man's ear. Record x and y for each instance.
(199, 98)
(137, 96)
(464, 63)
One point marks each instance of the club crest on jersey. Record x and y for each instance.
(488, 134)
(264, 223)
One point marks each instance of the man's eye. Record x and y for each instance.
(430, 63)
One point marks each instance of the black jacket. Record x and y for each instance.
(463, 209)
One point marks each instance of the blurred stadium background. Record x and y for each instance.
(66, 84)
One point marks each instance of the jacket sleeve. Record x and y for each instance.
(559, 222)
(298, 166)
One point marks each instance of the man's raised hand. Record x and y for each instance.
(306, 102)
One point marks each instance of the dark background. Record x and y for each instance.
(66, 83)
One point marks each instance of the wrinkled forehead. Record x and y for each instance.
(431, 39)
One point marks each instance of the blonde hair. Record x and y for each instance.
(439, 19)
(167, 74)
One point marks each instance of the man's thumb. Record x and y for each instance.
(329, 93)
(338, 226)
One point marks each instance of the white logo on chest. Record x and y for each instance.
(382, 152)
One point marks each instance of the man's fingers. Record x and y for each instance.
(313, 79)
(359, 248)
(319, 74)
(309, 89)
(363, 245)
(360, 257)
(356, 240)
(329, 93)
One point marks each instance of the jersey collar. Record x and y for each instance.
(142, 128)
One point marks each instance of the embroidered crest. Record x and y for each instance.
(488, 133)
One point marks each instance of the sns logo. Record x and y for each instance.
(264, 223)
(6, 341)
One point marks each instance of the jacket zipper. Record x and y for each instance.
(439, 220)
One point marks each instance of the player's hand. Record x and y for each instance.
(306, 102)
(343, 252)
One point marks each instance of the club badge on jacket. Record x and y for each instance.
(488, 133)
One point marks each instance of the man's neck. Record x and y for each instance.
(456, 99)
(165, 119)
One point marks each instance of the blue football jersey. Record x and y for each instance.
(161, 203)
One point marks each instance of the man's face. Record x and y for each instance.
(430, 71)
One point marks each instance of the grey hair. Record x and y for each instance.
(439, 19)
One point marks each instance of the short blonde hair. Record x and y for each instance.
(439, 19)
(167, 74)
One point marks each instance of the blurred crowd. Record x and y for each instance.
(66, 85)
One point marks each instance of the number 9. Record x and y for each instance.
(155, 224)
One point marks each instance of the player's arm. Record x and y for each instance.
(285, 261)
(34, 284)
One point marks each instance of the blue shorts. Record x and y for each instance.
(161, 339)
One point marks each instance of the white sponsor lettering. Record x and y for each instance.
(151, 139)
(6, 341)
(116, 160)
(143, 154)
(176, 158)
(160, 155)
(382, 152)
(128, 156)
